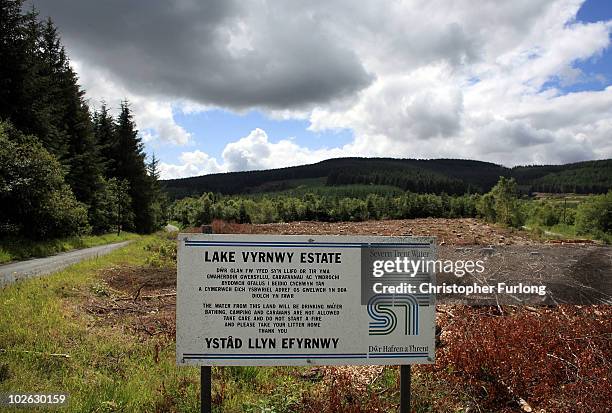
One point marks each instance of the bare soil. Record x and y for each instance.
(139, 299)
(463, 231)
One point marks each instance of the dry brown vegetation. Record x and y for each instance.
(139, 299)
(553, 359)
(463, 231)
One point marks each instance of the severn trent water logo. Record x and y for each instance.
(384, 310)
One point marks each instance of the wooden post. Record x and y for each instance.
(405, 389)
(206, 371)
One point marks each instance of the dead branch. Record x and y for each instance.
(145, 297)
(521, 402)
(3, 350)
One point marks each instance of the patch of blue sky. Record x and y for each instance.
(473, 80)
(595, 72)
(212, 130)
(595, 11)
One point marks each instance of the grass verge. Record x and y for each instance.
(49, 343)
(105, 370)
(17, 249)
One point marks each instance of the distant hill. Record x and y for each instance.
(451, 176)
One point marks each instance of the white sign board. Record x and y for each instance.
(301, 300)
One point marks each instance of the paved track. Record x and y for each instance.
(10, 273)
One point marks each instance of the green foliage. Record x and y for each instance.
(60, 215)
(548, 214)
(108, 370)
(584, 216)
(313, 207)
(451, 176)
(434, 176)
(501, 204)
(505, 195)
(129, 165)
(594, 216)
(582, 177)
(162, 252)
(112, 210)
(34, 196)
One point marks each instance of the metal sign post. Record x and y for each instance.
(205, 389)
(206, 371)
(405, 389)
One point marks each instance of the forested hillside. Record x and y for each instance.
(64, 170)
(581, 177)
(450, 176)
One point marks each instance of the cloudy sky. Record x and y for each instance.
(226, 85)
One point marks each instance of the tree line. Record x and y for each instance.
(312, 207)
(503, 204)
(64, 169)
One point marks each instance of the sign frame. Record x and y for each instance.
(354, 246)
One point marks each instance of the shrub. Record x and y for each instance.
(162, 252)
(594, 216)
(36, 201)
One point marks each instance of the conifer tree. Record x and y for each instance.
(100, 157)
(129, 158)
(12, 50)
(104, 132)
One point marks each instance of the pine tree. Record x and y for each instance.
(159, 199)
(104, 132)
(12, 51)
(130, 165)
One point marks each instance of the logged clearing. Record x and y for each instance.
(461, 231)
(490, 358)
(576, 271)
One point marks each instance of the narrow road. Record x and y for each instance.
(10, 273)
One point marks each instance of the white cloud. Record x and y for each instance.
(488, 104)
(192, 164)
(254, 151)
(154, 116)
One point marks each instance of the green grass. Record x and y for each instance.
(109, 369)
(565, 231)
(569, 231)
(17, 249)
